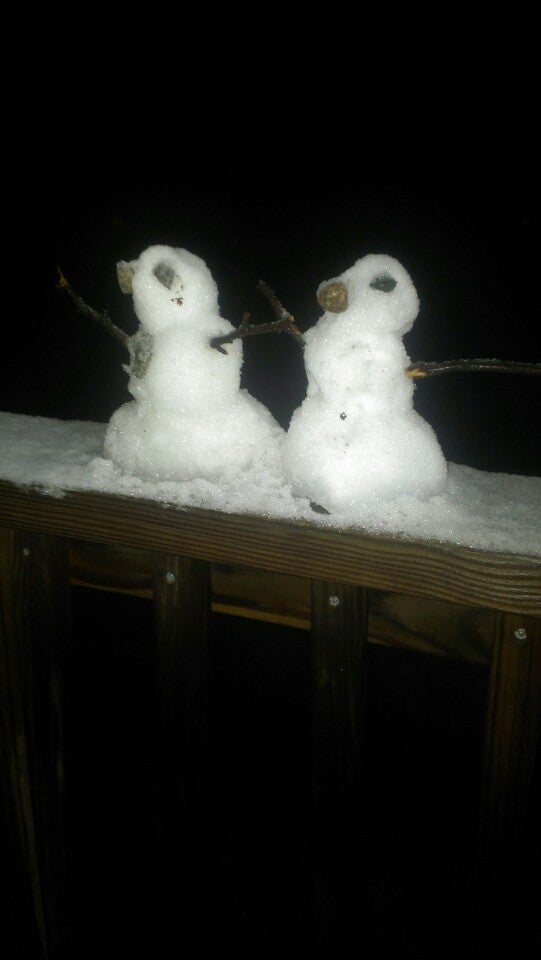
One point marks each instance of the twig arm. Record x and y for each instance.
(432, 368)
(284, 321)
(92, 314)
(282, 315)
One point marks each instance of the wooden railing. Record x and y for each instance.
(347, 588)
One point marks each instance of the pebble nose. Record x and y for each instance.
(333, 297)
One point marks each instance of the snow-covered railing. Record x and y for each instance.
(347, 587)
(350, 524)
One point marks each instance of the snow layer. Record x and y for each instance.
(189, 418)
(357, 435)
(491, 511)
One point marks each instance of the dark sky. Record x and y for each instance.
(278, 141)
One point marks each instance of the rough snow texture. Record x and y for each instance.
(189, 419)
(357, 436)
(488, 511)
(356, 447)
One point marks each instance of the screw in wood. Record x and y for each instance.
(26, 551)
(521, 635)
(334, 600)
(170, 577)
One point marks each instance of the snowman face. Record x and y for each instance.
(171, 287)
(376, 294)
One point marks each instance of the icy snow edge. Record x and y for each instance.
(487, 511)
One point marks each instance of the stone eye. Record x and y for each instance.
(384, 282)
(165, 274)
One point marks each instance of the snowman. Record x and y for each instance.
(357, 437)
(189, 419)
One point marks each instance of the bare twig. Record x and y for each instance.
(217, 342)
(83, 307)
(432, 368)
(282, 315)
(284, 322)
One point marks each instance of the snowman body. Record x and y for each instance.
(357, 436)
(189, 418)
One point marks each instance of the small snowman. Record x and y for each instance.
(357, 436)
(189, 419)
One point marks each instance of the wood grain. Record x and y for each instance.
(34, 651)
(181, 608)
(419, 568)
(413, 623)
(338, 637)
(440, 598)
(431, 626)
(511, 737)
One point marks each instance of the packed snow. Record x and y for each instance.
(356, 454)
(357, 435)
(488, 511)
(189, 419)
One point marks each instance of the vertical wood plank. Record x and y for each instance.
(182, 599)
(511, 737)
(339, 637)
(35, 628)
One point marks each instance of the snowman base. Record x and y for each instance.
(157, 444)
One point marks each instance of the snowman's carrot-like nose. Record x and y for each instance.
(333, 297)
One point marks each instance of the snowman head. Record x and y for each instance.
(170, 287)
(375, 294)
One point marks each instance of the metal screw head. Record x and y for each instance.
(26, 551)
(334, 600)
(170, 577)
(520, 634)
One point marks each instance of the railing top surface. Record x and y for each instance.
(419, 567)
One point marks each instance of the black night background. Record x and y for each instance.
(279, 142)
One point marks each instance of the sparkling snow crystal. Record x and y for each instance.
(189, 419)
(357, 436)
(191, 437)
(488, 511)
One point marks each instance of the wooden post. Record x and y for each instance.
(339, 636)
(182, 599)
(34, 636)
(511, 735)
